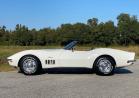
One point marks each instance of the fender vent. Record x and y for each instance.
(50, 62)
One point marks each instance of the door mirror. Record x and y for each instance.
(73, 49)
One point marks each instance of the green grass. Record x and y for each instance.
(6, 68)
(6, 51)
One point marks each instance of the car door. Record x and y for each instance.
(71, 58)
(51, 59)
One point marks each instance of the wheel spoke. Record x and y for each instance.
(29, 65)
(105, 66)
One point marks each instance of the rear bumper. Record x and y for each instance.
(127, 63)
(131, 61)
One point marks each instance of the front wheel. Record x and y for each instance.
(29, 65)
(104, 66)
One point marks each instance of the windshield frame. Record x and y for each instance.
(71, 45)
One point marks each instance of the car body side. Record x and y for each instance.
(69, 58)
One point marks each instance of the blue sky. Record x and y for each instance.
(52, 13)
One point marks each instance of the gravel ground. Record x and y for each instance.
(124, 84)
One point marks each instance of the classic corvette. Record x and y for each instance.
(102, 60)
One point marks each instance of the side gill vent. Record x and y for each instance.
(50, 62)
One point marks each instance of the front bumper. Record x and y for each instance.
(12, 62)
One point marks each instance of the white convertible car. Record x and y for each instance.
(102, 60)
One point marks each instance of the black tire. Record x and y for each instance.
(35, 63)
(104, 66)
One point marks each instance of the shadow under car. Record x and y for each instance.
(80, 71)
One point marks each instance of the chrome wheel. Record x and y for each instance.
(29, 65)
(105, 66)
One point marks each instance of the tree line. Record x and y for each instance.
(126, 32)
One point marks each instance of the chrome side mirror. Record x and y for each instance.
(73, 49)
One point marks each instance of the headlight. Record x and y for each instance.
(9, 60)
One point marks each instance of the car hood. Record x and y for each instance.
(34, 52)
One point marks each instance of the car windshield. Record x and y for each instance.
(70, 45)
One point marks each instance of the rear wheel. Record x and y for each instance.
(30, 65)
(104, 66)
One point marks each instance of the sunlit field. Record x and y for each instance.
(6, 51)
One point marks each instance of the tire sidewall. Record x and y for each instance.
(36, 61)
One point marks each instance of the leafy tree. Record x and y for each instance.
(127, 28)
(22, 35)
(92, 33)
(92, 22)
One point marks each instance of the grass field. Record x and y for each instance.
(6, 51)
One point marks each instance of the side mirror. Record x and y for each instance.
(73, 49)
